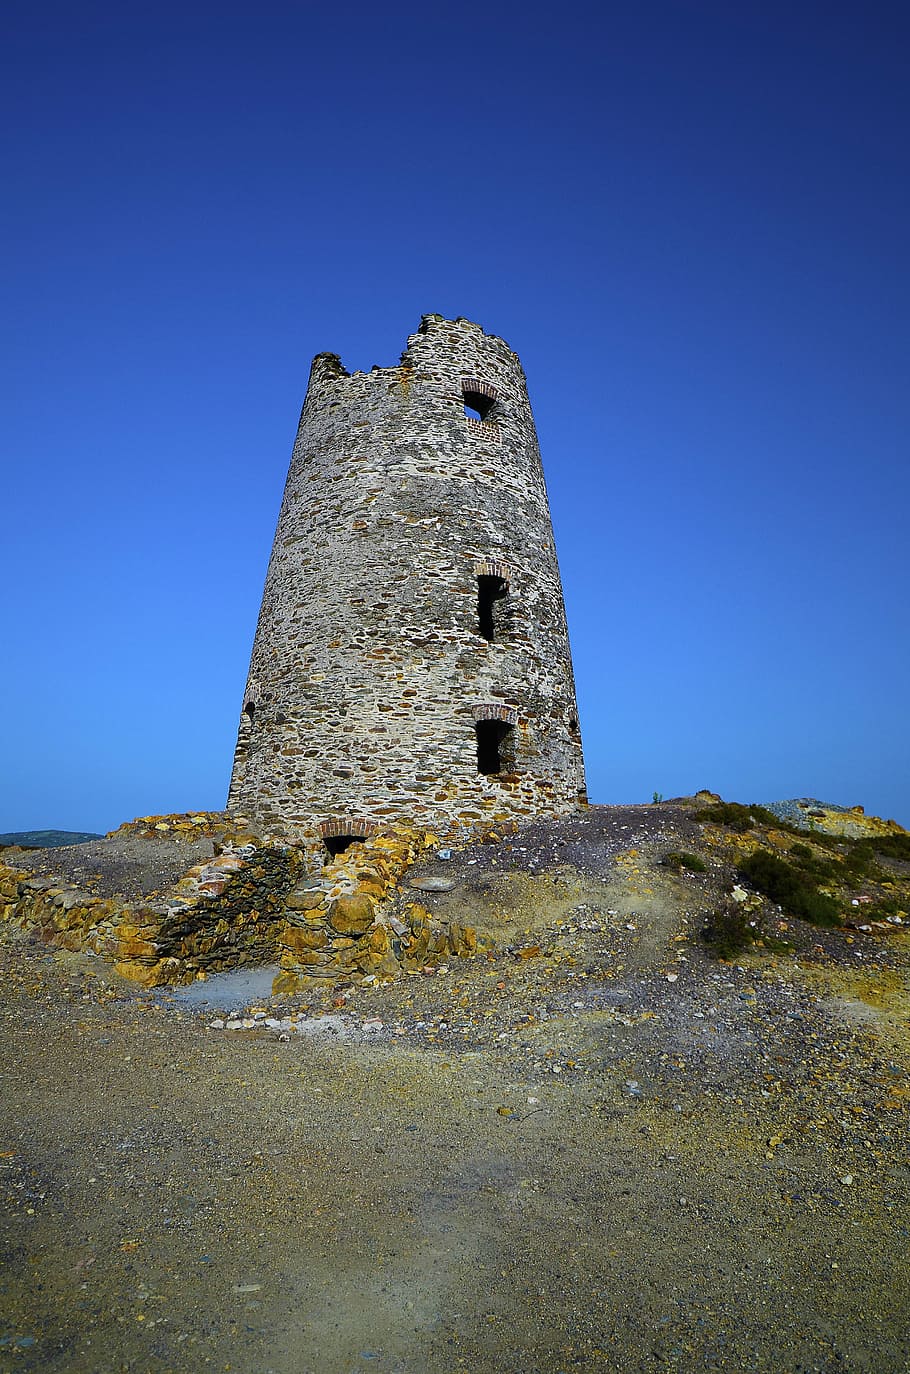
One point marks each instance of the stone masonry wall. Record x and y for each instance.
(222, 913)
(253, 903)
(369, 672)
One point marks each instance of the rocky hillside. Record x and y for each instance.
(45, 839)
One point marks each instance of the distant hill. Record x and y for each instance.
(46, 839)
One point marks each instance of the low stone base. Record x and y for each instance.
(253, 902)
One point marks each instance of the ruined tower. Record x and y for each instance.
(411, 659)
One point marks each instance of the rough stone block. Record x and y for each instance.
(351, 915)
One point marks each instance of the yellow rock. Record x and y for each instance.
(373, 889)
(306, 900)
(285, 984)
(379, 940)
(135, 949)
(298, 940)
(137, 973)
(351, 915)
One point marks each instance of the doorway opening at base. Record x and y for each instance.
(337, 844)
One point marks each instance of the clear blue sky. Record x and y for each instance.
(689, 219)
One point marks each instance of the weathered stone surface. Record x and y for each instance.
(285, 984)
(248, 915)
(200, 927)
(462, 940)
(351, 915)
(307, 900)
(412, 599)
(299, 940)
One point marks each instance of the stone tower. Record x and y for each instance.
(411, 659)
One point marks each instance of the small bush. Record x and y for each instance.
(738, 817)
(731, 929)
(792, 889)
(888, 846)
(819, 870)
(677, 859)
(884, 907)
(819, 837)
(732, 814)
(763, 816)
(894, 847)
(860, 860)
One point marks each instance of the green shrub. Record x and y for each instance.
(882, 908)
(677, 859)
(732, 814)
(763, 816)
(860, 860)
(858, 867)
(820, 870)
(792, 889)
(731, 929)
(819, 837)
(888, 846)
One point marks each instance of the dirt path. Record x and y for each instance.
(613, 1154)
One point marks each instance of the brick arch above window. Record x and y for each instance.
(346, 825)
(473, 386)
(493, 711)
(492, 567)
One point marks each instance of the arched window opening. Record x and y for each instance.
(479, 398)
(477, 407)
(337, 844)
(245, 735)
(340, 832)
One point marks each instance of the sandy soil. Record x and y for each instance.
(599, 1150)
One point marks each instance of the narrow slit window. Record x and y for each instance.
(479, 398)
(491, 593)
(494, 738)
(249, 711)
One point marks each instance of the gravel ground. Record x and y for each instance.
(118, 865)
(597, 1150)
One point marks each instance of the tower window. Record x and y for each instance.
(477, 407)
(494, 728)
(249, 711)
(493, 740)
(479, 398)
(490, 590)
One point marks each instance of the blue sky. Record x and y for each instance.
(689, 219)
